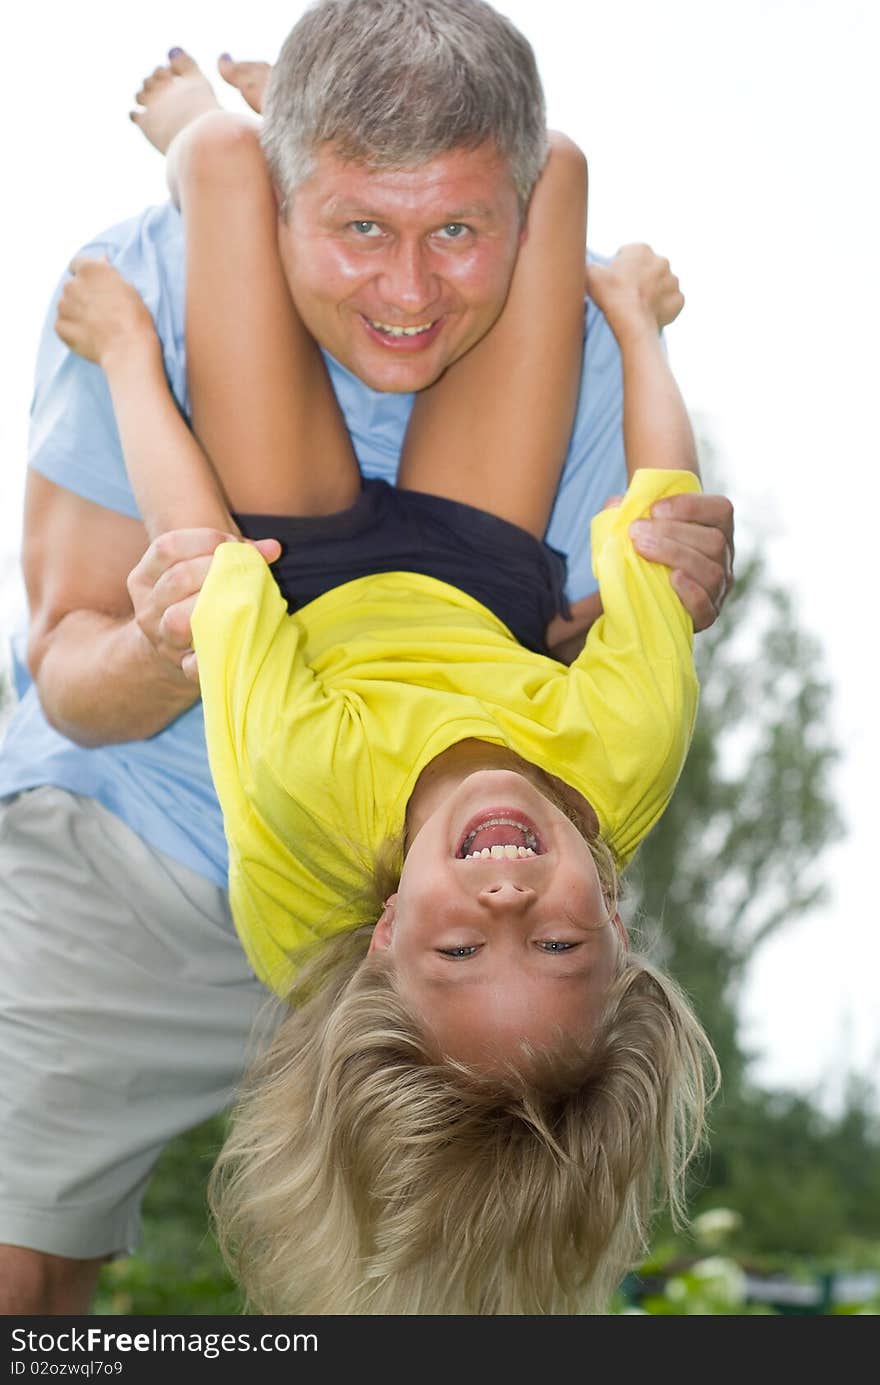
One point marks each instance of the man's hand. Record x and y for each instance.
(165, 585)
(693, 536)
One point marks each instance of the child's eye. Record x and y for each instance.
(366, 228)
(551, 945)
(466, 950)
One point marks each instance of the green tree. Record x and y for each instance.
(736, 858)
(737, 855)
(806, 1182)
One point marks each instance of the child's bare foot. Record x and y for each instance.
(172, 97)
(248, 78)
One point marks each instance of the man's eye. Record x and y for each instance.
(366, 228)
(463, 951)
(552, 945)
(453, 230)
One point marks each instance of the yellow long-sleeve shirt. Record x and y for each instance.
(319, 723)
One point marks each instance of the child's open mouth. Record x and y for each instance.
(502, 833)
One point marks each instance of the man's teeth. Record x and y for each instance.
(400, 331)
(508, 852)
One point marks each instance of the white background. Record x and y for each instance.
(741, 140)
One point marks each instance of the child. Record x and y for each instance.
(472, 1098)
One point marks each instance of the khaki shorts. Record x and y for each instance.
(126, 1016)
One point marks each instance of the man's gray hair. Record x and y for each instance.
(396, 83)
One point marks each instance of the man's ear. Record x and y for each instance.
(381, 938)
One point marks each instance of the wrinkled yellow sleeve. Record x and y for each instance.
(260, 696)
(251, 668)
(635, 674)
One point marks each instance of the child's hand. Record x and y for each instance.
(99, 313)
(636, 289)
(165, 585)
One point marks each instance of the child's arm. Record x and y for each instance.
(639, 295)
(103, 318)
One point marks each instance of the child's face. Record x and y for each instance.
(493, 949)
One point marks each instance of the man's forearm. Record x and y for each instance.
(100, 681)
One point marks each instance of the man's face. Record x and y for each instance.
(397, 273)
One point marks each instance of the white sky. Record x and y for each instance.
(741, 140)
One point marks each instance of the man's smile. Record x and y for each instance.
(398, 338)
(376, 276)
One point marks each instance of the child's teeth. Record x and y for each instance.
(507, 852)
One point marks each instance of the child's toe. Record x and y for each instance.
(180, 62)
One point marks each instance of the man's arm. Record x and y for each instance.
(109, 642)
(100, 678)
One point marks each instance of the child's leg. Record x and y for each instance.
(493, 432)
(262, 403)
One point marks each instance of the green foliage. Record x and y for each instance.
(737, 854)
(178, 1269)
(706, 1275)
(737, 857)
(805, 1182)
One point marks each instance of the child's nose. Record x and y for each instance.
(503, 894)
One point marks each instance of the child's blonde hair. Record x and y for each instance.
(363, 1176)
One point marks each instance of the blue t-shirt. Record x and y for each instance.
(162, 786)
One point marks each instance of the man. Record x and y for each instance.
(126, 1000)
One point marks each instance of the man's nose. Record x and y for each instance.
(407, 283)
(507, 896)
